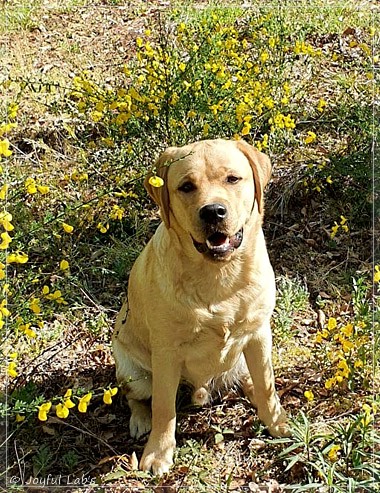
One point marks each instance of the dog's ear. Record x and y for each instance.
(261, 168)
(160, 194)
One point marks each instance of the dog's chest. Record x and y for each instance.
(219, 336)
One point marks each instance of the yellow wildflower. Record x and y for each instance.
(34, 306)
(181, 27)
(68, 402)
(17, 258)
(174, 99)
(4, 191)
(103, 228)
(3, 308)
(67, 228)
(96, 116)
(64, 265)
(84, 402)
(156, 181)
(43, 189)
(5, 128)
(318, 337)
(12, 369)
(347, 330)
(30, 333)
(19, 418)
(27, 330)
(117, 212)
(334, 230)
(309, 395)
(311, 137)
(346, 345)
(289, 122)
(108, 394)
(321, 105)
(43, 410)
(57, 297)
(61, 411)
(343, 367)
(4, 148)
(5, 221)
(333, 452)
(330, 382)
(12, 110)
(376, 275)
(5, 240)
(30, 185)
(197, 84)
(246, 128)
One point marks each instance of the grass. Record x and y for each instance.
(81, 125)
(24, 15)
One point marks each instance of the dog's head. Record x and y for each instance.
(209, 192)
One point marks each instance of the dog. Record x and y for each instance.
(200, 295)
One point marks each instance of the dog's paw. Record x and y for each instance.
(280, 427)
(140, 422)
(157, 460)
(158, 465)
(280, 430)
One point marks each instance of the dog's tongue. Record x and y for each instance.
(217, 240)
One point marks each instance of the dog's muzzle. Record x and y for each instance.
(218, 245)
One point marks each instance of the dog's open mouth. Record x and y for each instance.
(218, 245)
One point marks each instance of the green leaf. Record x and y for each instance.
(219, 438)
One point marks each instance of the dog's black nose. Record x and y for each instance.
(213, 213)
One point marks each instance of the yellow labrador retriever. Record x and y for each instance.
(201, 294)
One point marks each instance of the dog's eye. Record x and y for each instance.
(232, 179)
(187, 187)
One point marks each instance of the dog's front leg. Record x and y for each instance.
(262, 392)
(158, 452)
